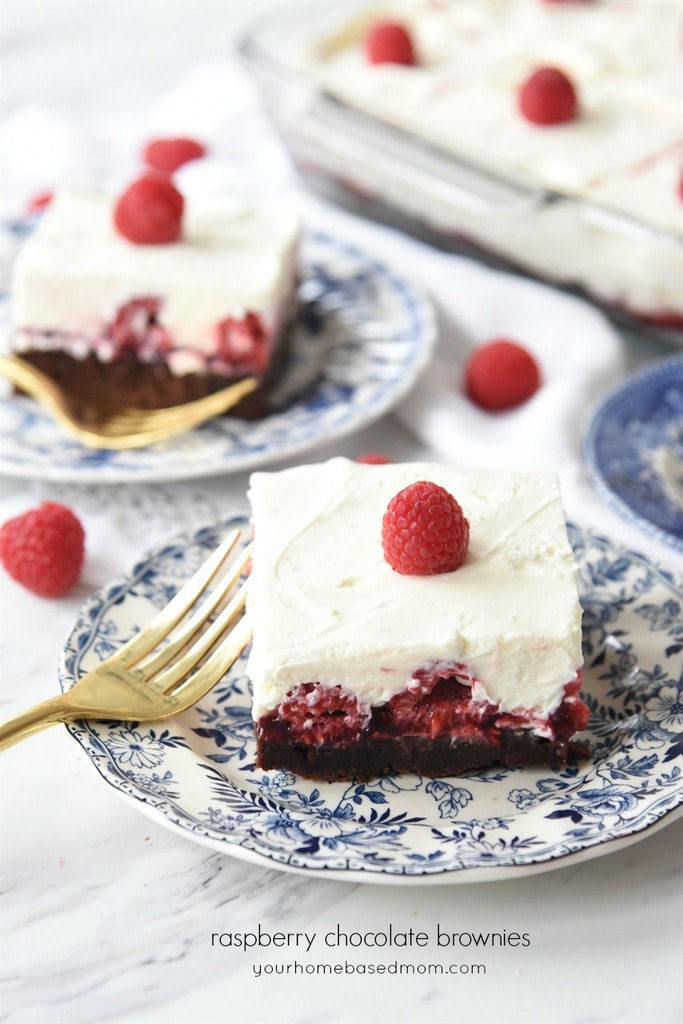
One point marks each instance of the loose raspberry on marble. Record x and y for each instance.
(501, 375)
(389, 42)
(680, 187)
(169, 154)
(548, 97)
(43, 549)
(150, 211)
(424, 531)
(316, 714)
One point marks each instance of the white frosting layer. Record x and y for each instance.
(328, 608)
(75, 271)
(624, 152)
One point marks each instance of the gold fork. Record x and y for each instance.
(166, 667)
(131, 428)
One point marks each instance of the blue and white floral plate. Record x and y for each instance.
(196, 774)
(634, 449)
(362, 337)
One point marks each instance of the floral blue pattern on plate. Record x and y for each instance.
(634, 449)
(362, 336)
(196, 773)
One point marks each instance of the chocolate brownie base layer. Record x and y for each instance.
(437, 757)
(98, 389)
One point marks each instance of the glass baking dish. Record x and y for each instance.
(632, 269)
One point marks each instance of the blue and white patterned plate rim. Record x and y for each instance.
(632, 458)
(195, 774)
(375, 329)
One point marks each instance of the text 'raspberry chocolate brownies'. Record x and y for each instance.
(412, 617)
(149, 300)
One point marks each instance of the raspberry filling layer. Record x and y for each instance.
(237, 345)
(440, 703)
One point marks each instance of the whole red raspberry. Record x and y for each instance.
(43, 549)
(373, 459)
(501, 375)
(150, 211)
(389, 42)
(548, 97)
(424, 531)
(170, 154)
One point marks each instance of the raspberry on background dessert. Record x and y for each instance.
(168, 154)
(359, 669)
(373, 459)
(548, 97)
(38, 201)
(150, 210)
(388, 42)
(148, 300)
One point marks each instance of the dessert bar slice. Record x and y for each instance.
(150, 325)
(359, 668)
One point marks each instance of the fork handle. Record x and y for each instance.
(49, 712)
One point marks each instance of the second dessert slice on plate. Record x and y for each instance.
(148, 301)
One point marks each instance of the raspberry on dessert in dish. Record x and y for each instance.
(467, 654)
(149, 299)
(501, 374)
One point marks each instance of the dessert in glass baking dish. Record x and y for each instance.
(544, 136)
(412, 617)
(145, 300)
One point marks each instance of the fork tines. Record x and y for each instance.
(192, 627)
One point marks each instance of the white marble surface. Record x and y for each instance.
(107, 916)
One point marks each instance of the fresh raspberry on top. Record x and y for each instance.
(680, 187)
(548, 97)
(150, 211)
(501, 375)
(170, 154)
(389, 42)
(43, 549)
(424, 531)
